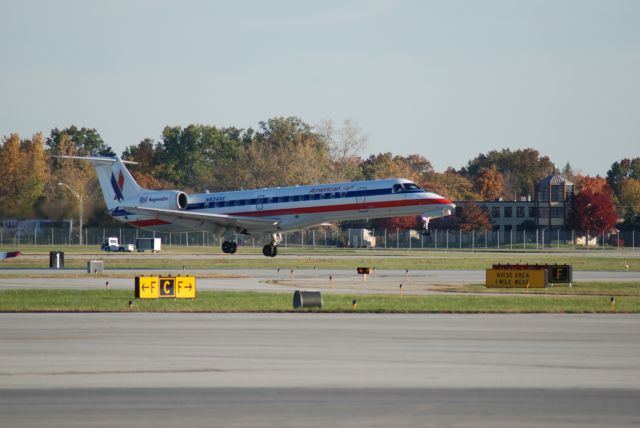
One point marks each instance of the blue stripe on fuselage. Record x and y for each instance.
(267, 198)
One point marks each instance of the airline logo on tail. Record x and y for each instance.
(118, 185)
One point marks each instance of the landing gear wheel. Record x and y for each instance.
(229, 247)
(270, 250)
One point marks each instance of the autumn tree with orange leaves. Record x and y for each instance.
(23, 175)
(595, 184)
(490, 184)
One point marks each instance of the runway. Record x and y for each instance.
(319, 369)
(272, 407)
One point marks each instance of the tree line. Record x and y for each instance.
(281, 151)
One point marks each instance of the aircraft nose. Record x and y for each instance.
(451, 207)
(446, 201)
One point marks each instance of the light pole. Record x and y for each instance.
(79, 196)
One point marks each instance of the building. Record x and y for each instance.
(506, 216)
(553, 201)
(549, 208)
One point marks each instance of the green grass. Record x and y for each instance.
(383, 260)
(35, 300)
(630, 289)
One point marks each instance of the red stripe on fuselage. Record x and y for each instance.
(344, 207)
(148, 223)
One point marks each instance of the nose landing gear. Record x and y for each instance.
(425, 231)
(271, 249)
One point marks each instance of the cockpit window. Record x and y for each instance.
(397, 188)
(411, 187)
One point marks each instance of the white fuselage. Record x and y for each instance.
(297, 207)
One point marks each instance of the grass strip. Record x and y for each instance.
(40, 300)
(407, 261)
(630, 289)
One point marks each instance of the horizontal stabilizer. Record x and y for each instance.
(96, 159)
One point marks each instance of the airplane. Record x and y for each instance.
(269, 211)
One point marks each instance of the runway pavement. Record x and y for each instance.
(319, 370)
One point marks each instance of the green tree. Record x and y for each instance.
(620, 171)
(521, 168)
(452, 185)
(629, 197)
(197, 156)
(568, 172)
(144, 154)
(87, 142)
(386, 165)
(284, 151)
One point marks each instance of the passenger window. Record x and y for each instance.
(285, 199)
(296, 198)
(306, 197)
(231, 203)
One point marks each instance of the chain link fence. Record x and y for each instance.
(327, 237)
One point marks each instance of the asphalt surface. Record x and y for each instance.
(319, 370)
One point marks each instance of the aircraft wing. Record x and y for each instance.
(223, 220)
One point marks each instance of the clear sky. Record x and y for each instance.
(445, 79)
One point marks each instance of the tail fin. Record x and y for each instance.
(116, 181)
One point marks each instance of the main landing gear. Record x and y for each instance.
(271, 249)
(229, 247)
(425, 231)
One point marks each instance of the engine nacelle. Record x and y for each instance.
(167, 199)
